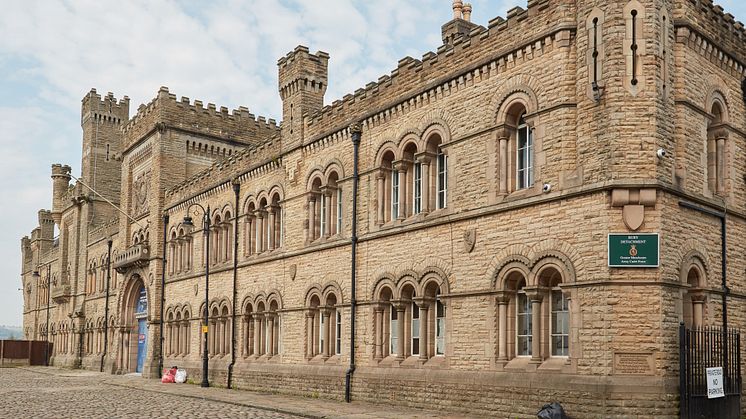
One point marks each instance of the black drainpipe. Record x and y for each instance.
(723, 268)
(355, 131)
(163, 293)
(236, 190)
(106, 306)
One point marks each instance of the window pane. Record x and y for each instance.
(523, 327)
(339, 332)
(394, 195)
(339, 210)
(560, 324)
(440, 323)
(442, 185)
(415, 329)
(417, 188)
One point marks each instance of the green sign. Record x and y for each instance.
(634, 250)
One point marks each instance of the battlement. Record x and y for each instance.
(238, 125)
(502, 37)
(300, 69)
(59, 170)
(713, 22)
(232, 166)
(107, 108)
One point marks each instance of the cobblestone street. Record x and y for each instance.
(77, 394)
(38, 392)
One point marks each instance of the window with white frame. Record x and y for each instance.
(525, 150)
(440, 328)
(560, 327)
(339, 210)
(417, 195)
(523, 324)
(393, 331)
(322, 221)
(415, 329)
(394, 195)
(321, 332)
(442, 179)
(338, 334)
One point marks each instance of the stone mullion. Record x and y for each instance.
(381, 194)
(378, 348)
(309, 334)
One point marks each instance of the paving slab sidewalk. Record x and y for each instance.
(294, 405)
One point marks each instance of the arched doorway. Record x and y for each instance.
(134, 331)
(141, 317)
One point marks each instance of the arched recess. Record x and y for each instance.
(693, 274)
(134, 331)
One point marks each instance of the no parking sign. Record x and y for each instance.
(715, 382)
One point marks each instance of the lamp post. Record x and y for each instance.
(206, 229)
(37, 276)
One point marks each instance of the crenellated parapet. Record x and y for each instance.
(503, 44)
(713, 25)
(261, 157)
(106, 109)
(165, 111)
(516, 38)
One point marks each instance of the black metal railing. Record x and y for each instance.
(709, 347)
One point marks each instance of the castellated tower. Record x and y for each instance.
(101, 120)
(302, 82)
(60, 184)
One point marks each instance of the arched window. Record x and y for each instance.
(247, 349)
(523, 322)
(717, 138)
(250, 230)
(323, 327)
(525, 155)
(694, 298)
(387, 188)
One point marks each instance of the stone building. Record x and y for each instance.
(491, 173)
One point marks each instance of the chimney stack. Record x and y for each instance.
(467, 12)
(457, 7)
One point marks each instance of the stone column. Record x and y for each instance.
(316, 330)
(257, 333)
(260, 231)
(503, 140)
(271, 226)
(326, 312)
(251, 234)
(309, 334)
(502, 299)
(400, 307)
(425, 159)
(423, 304)
(401, 168)
(698, 306)
(381, 193)
(327, 197)
(535, 296)
(311, 218)
(378, 347)
(271, 334)
(720, 156)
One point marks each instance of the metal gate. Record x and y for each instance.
(704, 348)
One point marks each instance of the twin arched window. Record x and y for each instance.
(409, 325)
(263, 224)
(261, 329)
(516, 150)
(324, 206)
(323, 326)
(533, 321)
(717, 136)
(178, 333)
(413, 180)
(180, 251)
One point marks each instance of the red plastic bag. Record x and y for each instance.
(169, 375)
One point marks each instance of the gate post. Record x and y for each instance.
(683, 400)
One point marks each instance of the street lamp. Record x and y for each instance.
(206, 229)
(36, 276)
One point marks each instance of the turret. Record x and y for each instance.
(461, 23)
(60, 184)
(101, 120)
(302, 83)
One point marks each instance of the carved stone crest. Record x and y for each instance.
(292, 270)
(140, 191)
(470, 239)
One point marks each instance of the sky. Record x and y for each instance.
(52, 52)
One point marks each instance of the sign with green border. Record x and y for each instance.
(634, 250)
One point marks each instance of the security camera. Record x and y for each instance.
(661, 153)
(546, 188)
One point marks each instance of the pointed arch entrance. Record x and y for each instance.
(134, 327)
